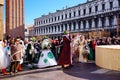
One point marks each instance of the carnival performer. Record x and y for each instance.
(91, 49)
(75, 47)
(81, 45)
(22, 55)
(4, 58)
(16, 50)
(46, 57)
(65, 59)
(29, 51)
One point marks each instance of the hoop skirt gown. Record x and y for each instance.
(46, 59)
(4, 57)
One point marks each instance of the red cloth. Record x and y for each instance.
(93, 45)
(4, 71)
(19, 67)
(65, 55)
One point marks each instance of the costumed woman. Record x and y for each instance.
(81, 46)
(4, 58)
(91, 50)
(46, 58)
(75, 47)
(65, 58)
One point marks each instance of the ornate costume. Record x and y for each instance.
(46, 57)
(65, 55)
(81, 49)
(4, 57)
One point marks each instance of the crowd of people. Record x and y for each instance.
(50, 52)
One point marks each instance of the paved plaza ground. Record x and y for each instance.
(79, 71)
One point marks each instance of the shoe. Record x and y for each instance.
(5, 73)
(11, 73)
(70, 66)
(16, 71)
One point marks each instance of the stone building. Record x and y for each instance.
(15, 18)
(93, 18)
(1, 20)
(29, 32)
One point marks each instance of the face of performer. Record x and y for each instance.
(81, 38)
(17, 41)
(68, 32)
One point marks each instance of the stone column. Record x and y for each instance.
(56, 28)
(72, 13)
(115, 4)
(87, 10)
(77, 25)
(60, 28)
(42, 30)
(68, 26)
(53, 29)
(87, 25)
(1, 20)
(115, 20)
(76, 12)
(71, 26)
(93, 9)
(100, 7)
(107, 22)
(82, 11)
(81, 25)
(39, 30)
(93, 23)
(50, 29)
(99, 23)
(107, 6)
(63, 27)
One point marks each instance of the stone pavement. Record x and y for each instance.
(79, 71)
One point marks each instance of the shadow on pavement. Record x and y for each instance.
(89, 71)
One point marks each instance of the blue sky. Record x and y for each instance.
(35, 8)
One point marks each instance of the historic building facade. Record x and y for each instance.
(1, 20)
(29, 32)
(15, 18)
(93, 18)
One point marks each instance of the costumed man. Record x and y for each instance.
(28, 51)
(16, 51)
(46, 57)
(65, 59)
(4, 58)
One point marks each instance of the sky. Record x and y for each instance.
(35, 8)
